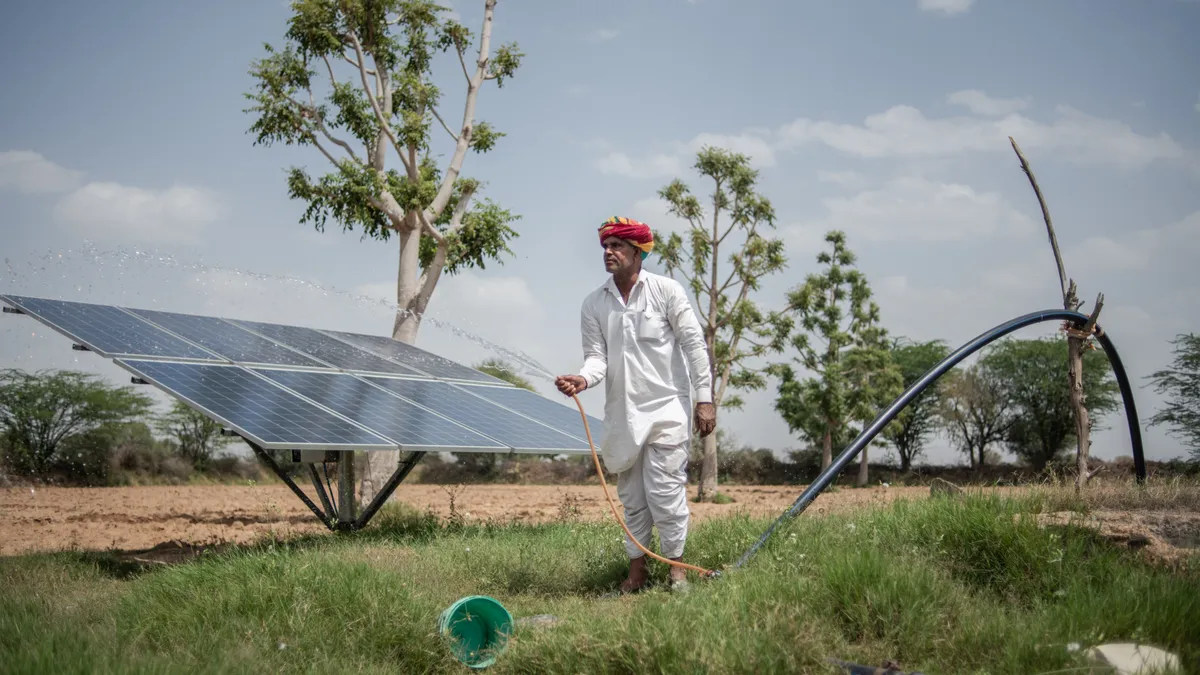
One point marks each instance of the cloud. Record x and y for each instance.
(845, 178)
(917, 209)
(905, 132)
(756, 144)
(981, 104)
(31, 173)
(105, 210)
(1197, 106)
(949, 7)
(606, 34)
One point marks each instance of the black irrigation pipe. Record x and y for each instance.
(882, 420)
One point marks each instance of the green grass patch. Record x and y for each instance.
(941, 586)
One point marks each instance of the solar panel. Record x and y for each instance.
(268, 415)
(331, 351)
(416, 358)
(227, 339)
(107, 330)
(561, 417)
(511, 429)
(410, 426)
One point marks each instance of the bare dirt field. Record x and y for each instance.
(140, 518)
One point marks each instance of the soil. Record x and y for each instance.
(184, 518)
(1168, 537)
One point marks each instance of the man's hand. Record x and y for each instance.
(706, 418)
(570, 385)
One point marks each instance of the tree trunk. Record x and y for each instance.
(708, 469)
(905, 462)
(379, 466)
(863, 462)
(1078, 403)
(827, 449)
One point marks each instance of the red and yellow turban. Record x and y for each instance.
(630, 230)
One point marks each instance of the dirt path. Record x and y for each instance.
(137, 518)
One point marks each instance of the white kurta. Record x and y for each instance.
(639, 350)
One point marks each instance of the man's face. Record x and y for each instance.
(620, 255)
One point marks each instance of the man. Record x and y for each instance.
(638, 328)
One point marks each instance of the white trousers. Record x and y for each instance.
(654, 494)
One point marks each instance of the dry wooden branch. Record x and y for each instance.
(1062, 271)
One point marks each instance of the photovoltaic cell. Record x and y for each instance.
(509, 428)
(331, 351)
(426, 362)
(270, 416)
(108, 330)
(408, 425)
(563, 418)
(228, 340)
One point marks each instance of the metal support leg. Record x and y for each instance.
(320, 488)
(388, 488)
(345, 510)
(270, 462)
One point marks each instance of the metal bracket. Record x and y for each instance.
(138, 380)
(13, 310)
(80, 348)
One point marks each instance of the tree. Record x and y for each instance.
(40, 411)
(1033, 376)
(1181, 383)
(502, 370)
(911, 429)
(835, 311)
(736, 330)
(385, 101)
(196, 435)
(975, 411)
(873, 378)
(1079, 340)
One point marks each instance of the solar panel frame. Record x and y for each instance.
(143, 368)
(361, 417)
(160, 318)
(485, 417)
(190, 352)
(381, 346)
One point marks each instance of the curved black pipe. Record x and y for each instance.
(882, 420)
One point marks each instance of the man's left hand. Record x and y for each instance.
(706, 418)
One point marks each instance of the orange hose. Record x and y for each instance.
(603, 484)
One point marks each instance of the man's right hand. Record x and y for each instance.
(570, 385)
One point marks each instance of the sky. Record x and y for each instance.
(128, 176)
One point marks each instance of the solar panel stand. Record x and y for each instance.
(270, 462)
(388, 488)
(320, 488)
(345, 508)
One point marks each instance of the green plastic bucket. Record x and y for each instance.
(477, 628)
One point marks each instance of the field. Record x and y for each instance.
(988, 582)
(138, 518)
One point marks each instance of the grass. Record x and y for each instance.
(941, 586)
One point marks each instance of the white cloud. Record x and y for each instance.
(31, 173)
(980, 103)
(606, 34)
(904, 131)
(756, 144)
(107, 210)
(917, 209)
(845, 178)
(949, 7)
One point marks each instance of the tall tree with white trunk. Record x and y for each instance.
(355, 81)
(736, 330)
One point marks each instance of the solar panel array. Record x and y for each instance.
(296, 388)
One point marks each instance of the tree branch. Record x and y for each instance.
(347, 59)
(1062, 272)
(444, 125)
(460, 208)
(462, 59)
(379, 116)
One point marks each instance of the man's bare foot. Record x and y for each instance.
(638, 573)
(678, 575)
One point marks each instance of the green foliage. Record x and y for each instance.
(843, 346)
(1181, 384)
(196, 435)
(736, 330)
(503, 370)
(1033, 375)
(40, 412)
(911, 429)
(941, 586)
(355, 81)
(975, 410)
